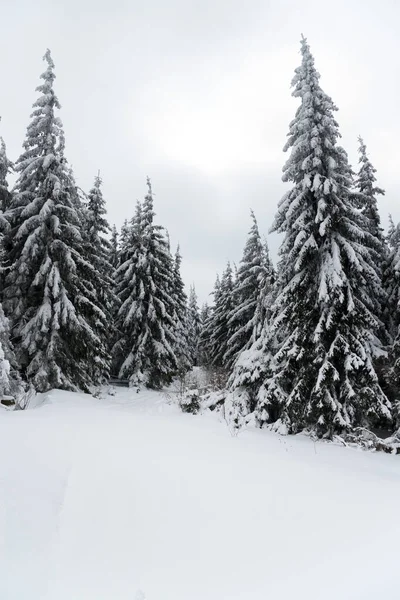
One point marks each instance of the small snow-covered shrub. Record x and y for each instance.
(190, 401)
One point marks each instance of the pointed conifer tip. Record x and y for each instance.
(47, 57)
(97, 180)
(305, 47)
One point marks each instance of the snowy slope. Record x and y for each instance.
(103, 499)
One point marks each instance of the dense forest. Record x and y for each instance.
(309, 344)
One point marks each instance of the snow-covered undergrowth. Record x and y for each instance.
(126, 497)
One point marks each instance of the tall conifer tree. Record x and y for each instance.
(217, 329)
(145, 321)
(50, 293)
(315, 368)
(193, 327)
(179, 297)
(251, 276)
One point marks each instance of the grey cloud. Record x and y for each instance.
(197, 96)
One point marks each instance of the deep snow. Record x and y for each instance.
(125, 497)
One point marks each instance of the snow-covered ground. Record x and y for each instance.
(125, 497)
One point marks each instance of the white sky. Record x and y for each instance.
(196, 94)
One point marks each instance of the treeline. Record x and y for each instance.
(81, 302)
(315, 345)
(311, 344)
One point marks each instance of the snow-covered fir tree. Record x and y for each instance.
(51, 289)
(98, 253)
(391, 280)
(265, 297)
(125, 233)
(392, 311)
(180, 317)
(144, 352)
(203, 343)
(9, 378)
(313, 367)
(207, 325)
(5, 168)
(114, 251)
(193, 327)
(252, 275)
(393, 234)
(368, 191)
(10, 383)
(217, 329)
(5, 201)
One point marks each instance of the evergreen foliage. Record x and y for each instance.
(217, 328)
(48, 294)
(194, 327)
(253, 273)
(114, 250)
(315, 363)
(145, 321)
(179, 297)
(5, 168)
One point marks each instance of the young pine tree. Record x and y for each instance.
(144, 352)
(314, 368)
(50, 293)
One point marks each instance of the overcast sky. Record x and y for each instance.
(196, 94)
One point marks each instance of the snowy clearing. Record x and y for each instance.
(106, 498)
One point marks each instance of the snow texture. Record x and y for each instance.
(125, 497)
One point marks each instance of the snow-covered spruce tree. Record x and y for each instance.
(99, 252)
(319, 371)
(193, 327)
(218, 330)
(145, 321)
(51, 289)
(265, 296)
(368, 192)
(129, 249)
(251, 276)
(5, 201)
(9, 378)
(125, 233)
(5, 168)
(393, 234)
(10, 382)
(251, 369)
(392, 312)
(391, 279)
(204, 342)
(180, 327)
(114, 252)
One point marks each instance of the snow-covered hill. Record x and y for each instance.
(126, 497)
